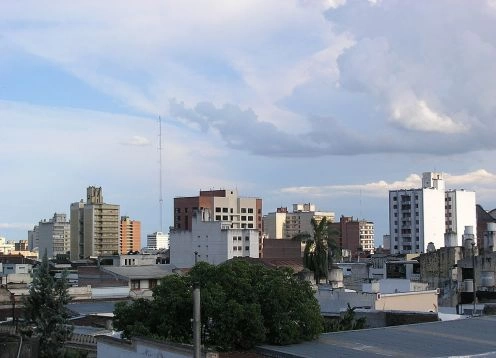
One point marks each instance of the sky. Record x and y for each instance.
(332, 102)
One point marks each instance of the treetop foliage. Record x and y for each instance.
(242, 304)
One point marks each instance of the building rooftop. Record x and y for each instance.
(465, 337)
(141, 272)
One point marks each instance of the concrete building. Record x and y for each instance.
(52, 236)
(417, 216)
(7, 247)
(157, 240)
(355, 235)
(94, 226)
(460, 211)
(130, 235)
(211, 241)
(285, 225)
(225, 206)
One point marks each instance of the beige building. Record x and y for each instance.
(94, 226)
(285, 225)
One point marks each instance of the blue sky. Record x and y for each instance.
(332, 102)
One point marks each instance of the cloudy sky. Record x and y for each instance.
(332, 102)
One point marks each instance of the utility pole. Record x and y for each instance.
(196, 320)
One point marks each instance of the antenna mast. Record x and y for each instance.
(160, 199)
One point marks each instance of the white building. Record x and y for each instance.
(285, 225)
(420, 216)
(157, 240)
(211, 241)
(416, 216)
(460, 212)
(53, 236)
(6, 246)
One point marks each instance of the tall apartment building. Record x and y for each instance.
(94, 226)
(224, 205)
(33, 238)
(130, 235)
(460, 211)
(157, 240)
(212, 241)
(285, 225)
(53, 236)
(420, 216)
(355, 235)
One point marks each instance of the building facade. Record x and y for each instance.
(420, 216)
(354, 235)
(157, 241)
(94, 226)
(54, 236)
(286, 225)
(130, 235)
(417, 216)
(211, 241)
(223, 205)
(460, 211)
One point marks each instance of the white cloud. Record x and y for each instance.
(23, 226)
(137, 141)
(480, 181)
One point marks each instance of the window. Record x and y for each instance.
(259, 211)
(395, 215)
(247, 238)
(152, 283)
(225, 217)
(217, 210)
(240, 248)
(185, 210)
(235, 248)
(243, 210)
(217, 217)
(247, 248)
(395, 198)
(135, 284)
(250, 226)
(225, 210)
(243, 218)
(250, 218)
(178, 210)
(250, 210)
(232, 210)
(395, 206)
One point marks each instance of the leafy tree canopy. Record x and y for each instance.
(242, 304)
(45, 310)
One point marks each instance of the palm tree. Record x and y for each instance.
(315, 256)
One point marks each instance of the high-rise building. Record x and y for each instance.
(53, 236)
(460, 211)
(420, 216)
(224, 205)
(157, 241)
(355, 235)
(94, 226)
(130, 235)
(286, 225)
(33, 238)
(212, 241)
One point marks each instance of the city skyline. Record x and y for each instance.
(330, 102)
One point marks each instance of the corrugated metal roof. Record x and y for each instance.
(141, 272)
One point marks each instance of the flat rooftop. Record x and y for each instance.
(464, 337)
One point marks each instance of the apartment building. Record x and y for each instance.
(94, 226)
(282, 224)
(354, 235)
(212, 241)
(130, 235)
(53, 235)
(420, 216)
(224, 205)
(157, 240)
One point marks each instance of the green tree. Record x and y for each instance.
(45, 310)
(242, 304)
(315, 255)
(347, 322)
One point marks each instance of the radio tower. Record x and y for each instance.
(160, 199)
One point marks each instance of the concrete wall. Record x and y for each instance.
(425, 301)
(108, 347)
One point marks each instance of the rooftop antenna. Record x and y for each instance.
(160, 199)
